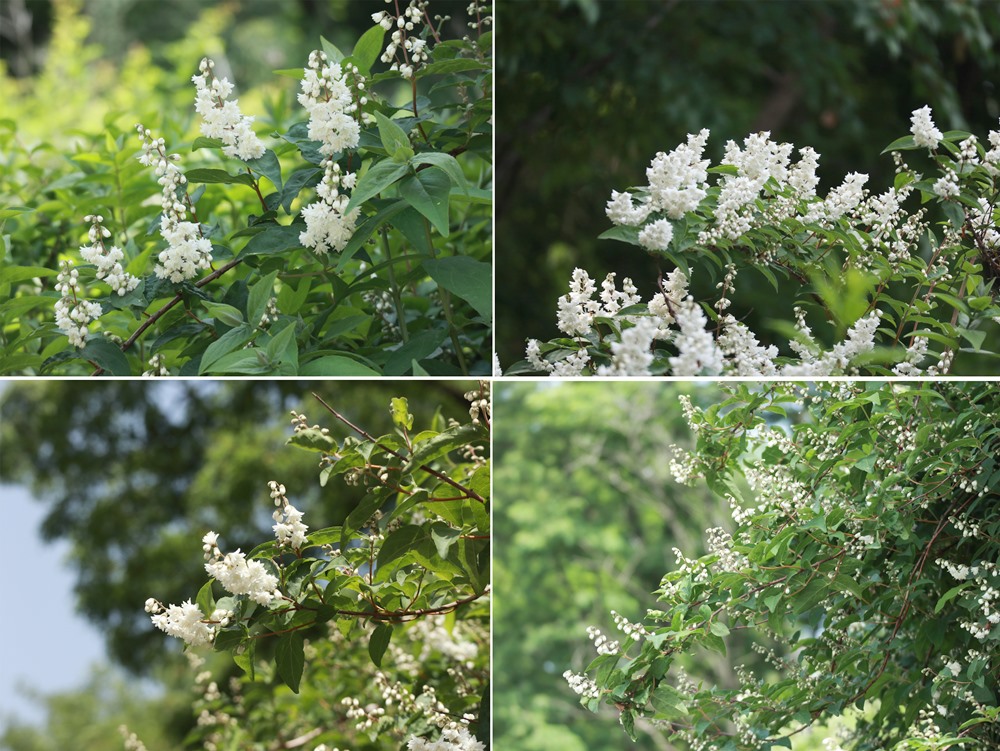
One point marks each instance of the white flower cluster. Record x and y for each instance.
(288, 529)
(602, 644)
(479, 402)
(455, 738)
(327, 98)
(925, 133)
(130, 739)
(404, 38)
(327, 226)
(187, 251)
(186, 621)
(733, 349)
(156, 368)
(582, 684)
(240, 576)
(222, 119)
(632, 630)
(107, 260)
(73, 314)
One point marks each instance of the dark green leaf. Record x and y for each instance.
(368, 49)
(378, 177)
(379, 642)
(428, 192)
(333, 365)
(218, 176)
(421, 346)
(466, 277)
(231, 341)
(290, 659)
(275, 239)
(268, 166)
(107, 354)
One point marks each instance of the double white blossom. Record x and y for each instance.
(73, 313)
(925, 133)
(107, 260)
(327, 98)
(288, 527)
(241, 576)
(222, 119)
(187, 251)
(454, 738)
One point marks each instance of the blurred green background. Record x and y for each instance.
(68, 64)
(589, 91)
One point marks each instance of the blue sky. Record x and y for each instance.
(44, 645)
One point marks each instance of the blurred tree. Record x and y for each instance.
(90, 717)
(590, 91)
(135, 472)
(587, 515)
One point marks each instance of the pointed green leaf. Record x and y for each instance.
(466, 277)
(428, 192)
(379, 642)
(368, 48)
(393, 137)
(289, 658)
(378, 177)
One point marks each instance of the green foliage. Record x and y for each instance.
(866, 546)
(424, 167)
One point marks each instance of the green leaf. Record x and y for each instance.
(108, 355)
(245, 659)
(445, 162)
(313, 439)
(950, 595)
(333, 365)
(205, 600)
(206, 143)
(368, 49)
(283, 348)
(441, 444)
(466, 277)
(275, 239)
(334, 54)
(294, 185)
(444, 537)
(905, 143)
(668, 701)
(719, 629)
(401, 416)
(12, 211)
(223, 313)
(394, 138)
(379, 642)
(268, 166)
(289, 658)
(420, 346)
(399, 542)
(231, 341)
(11, 274)
(378, 177)
(428, 192)
(455, 65)
(218, 176)
(258, 297)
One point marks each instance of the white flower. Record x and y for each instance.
(73, 315)
(222, 119)
(677, 180)
(243, 577)
(697, 351)
(657, 235)
(453, 738)
(632, 354)
(925, 133)
(954, 668)
(327, 98)
(186, 622)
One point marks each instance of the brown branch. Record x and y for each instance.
(467, 492)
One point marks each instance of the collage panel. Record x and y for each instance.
(744, 566)
(256, 564)
(247, 188)
(751, 189)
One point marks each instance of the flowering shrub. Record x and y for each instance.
(378, 629)
(351, 241)
(905, 293)
(862, 556)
